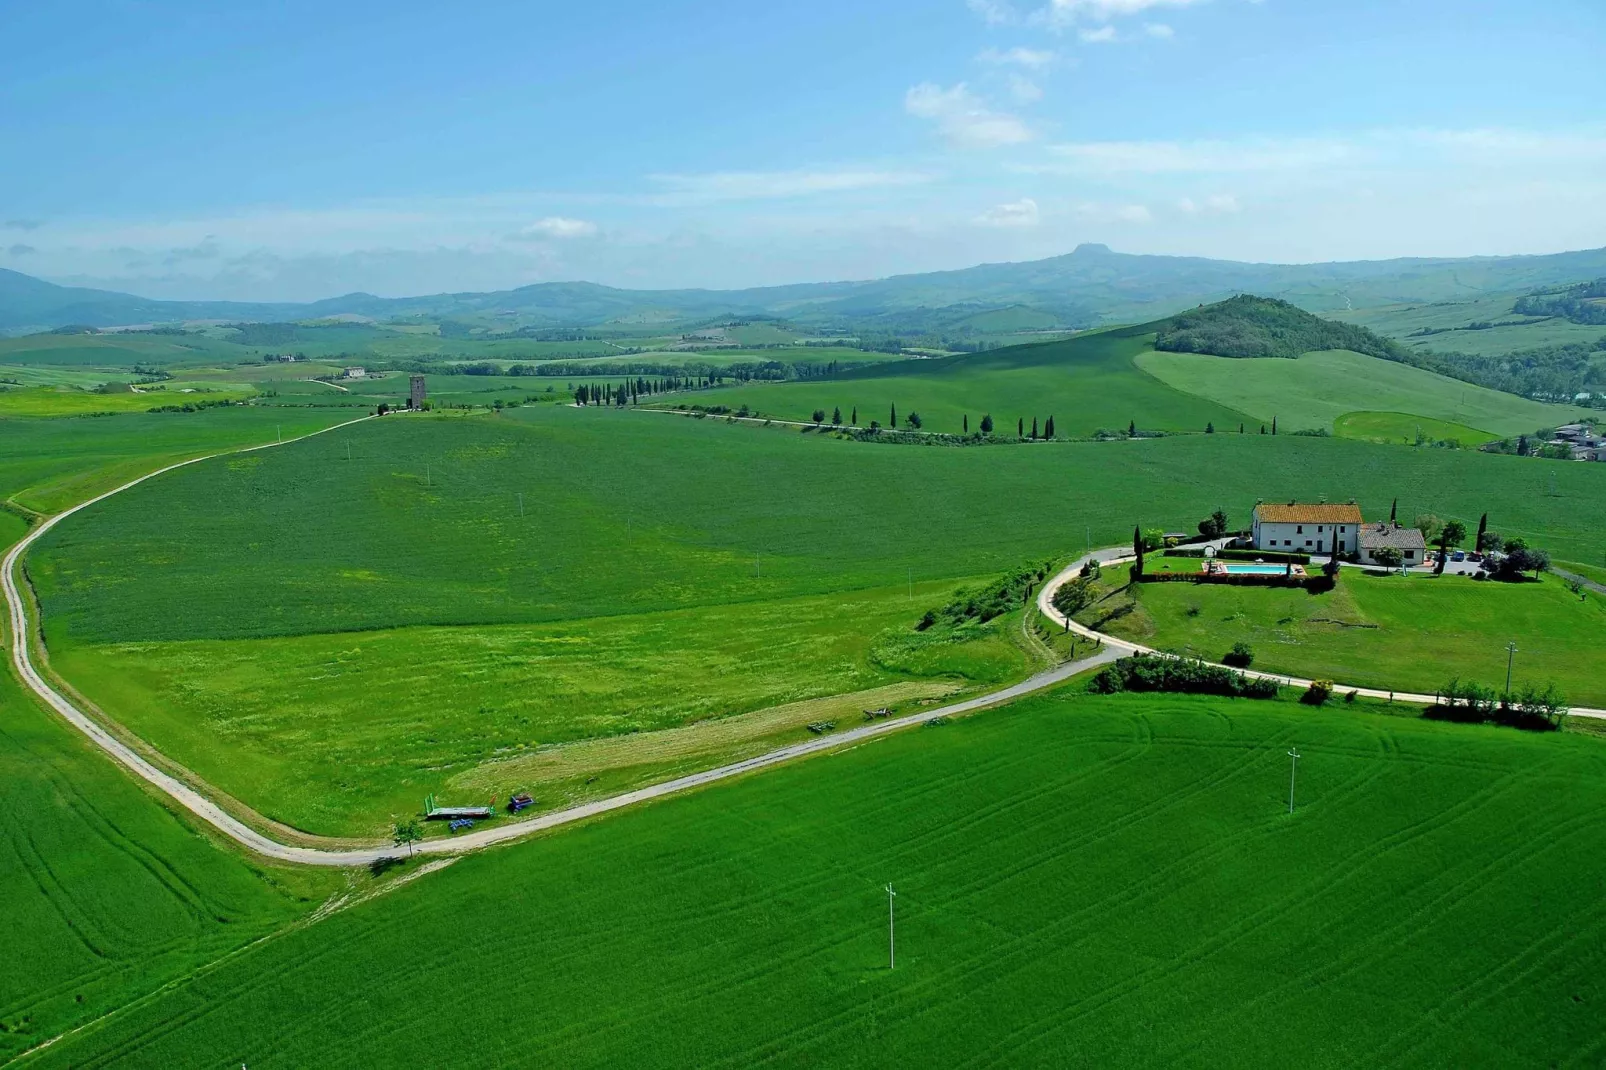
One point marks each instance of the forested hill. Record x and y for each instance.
(1249, 326)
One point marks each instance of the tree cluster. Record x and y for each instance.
(982, 604)
(1582, 303)
(1149, 672)
(1530, 707)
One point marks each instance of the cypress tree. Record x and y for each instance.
(893, 420)
(1034, 429)
(1483, 528)
(854, 419)
(1132, 429)
(1020, 427)
(1274, 425)
(1394, 512)
(836, 416)
(1240, 429)
(1048, 430)
(1137, 549)
(987, 423)
(1210, 428)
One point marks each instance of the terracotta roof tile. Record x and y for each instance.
(1304, 513)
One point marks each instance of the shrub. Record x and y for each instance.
(1241, 656)
(1074, 596)
(1520, 561)
(1149, 672)
(1317, 693)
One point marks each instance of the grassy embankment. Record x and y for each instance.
(1405, 634)
(663, 572)
(1081, 881)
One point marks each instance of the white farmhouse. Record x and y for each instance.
(1300, 528)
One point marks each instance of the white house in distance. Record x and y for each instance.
(1301, 528)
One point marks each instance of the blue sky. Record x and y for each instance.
(298, 150)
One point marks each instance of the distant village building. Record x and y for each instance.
(1581, 440)
(1410, 542)
(415, 392)
(354, 373)
(1304, 528)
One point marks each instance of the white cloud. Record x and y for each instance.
(995, 12)
(1159, 29)
(1030, 58)
(1101, 35)
(1065, 12)
(1024, 90)
(760, 185)
(557, 227)
(1021, 213)
(964, 119)
(1217, 204)
(1179, 157)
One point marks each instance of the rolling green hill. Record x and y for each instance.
(1080, 881)
(1087, 384)
(1108, 380)
(1249, 326)
(1319, 388)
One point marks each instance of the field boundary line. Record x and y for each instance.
(1121, 555)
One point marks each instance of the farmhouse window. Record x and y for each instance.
(1300, 530)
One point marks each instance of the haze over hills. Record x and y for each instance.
(1086, 287)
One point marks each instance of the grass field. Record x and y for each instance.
(1320, 388)
(1387, 632)
(1095, 882)
(1452, 321)
(1087, 384)
(47, 465)
(293, 725)
(71, 401)
(1399, 428)
(243, 613)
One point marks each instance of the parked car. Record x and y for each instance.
(1459, 555)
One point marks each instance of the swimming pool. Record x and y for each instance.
(1256, 570)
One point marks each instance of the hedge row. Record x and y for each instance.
(1147, 672)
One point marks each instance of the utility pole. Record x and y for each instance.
(892, 940)
(1293, 772)
(1511, 656)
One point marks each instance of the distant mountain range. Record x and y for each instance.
(1089, 286)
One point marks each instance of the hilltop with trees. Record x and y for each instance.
(1250, 326)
